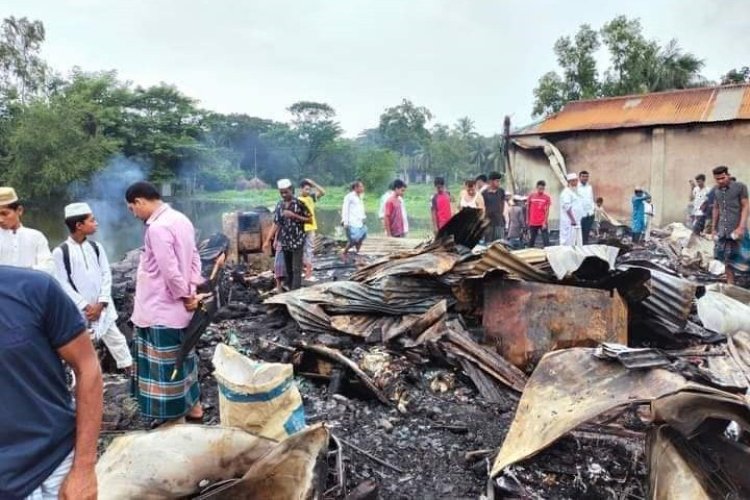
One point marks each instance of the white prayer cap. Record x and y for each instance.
(76, 209)
(638, 188)
(572, 176)
(284, 184)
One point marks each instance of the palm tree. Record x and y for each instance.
(477, 154)
(672, 68)
(465, 128)
(496, 157)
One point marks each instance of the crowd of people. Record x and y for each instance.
(53, 306)
(517, 220)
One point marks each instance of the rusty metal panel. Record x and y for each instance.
(744, 112)
(525, 320)
(707, 104)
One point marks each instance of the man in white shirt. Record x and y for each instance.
(586, 193)
(571, 213)
(700, 194)
(82, 268)
(21, 246)
(353, 217)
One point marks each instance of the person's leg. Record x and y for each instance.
(533, 231)
(360, 238)
(350, 243)
(487, 238)
(500, 232)
(730, 256)
(296, 268)
(308, 253)
(289, 264)
(586, 223)
(279, 268)
(118, 347)
(545, 236)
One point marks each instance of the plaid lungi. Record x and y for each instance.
(158, 396)
(279, 267)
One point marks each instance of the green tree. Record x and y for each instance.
(404, 127)
(161, 127)
(576, 58)
(465, 128)
(675, 69)
(22, 70)
(376, 166)
(637, 65)
(631, 56)
(549, 95)
(315, 131)
(53, 144)
(496, 156)
(741, 75)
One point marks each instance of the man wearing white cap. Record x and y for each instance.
(82, 268)
(571, 213)
(289, 219)
(21, 246)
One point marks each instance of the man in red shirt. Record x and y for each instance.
(394, 211)
(441, 205)
(539, 203)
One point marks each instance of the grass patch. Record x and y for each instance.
(417, 199)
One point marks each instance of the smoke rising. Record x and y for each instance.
(118, 230)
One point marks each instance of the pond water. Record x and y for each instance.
(119, 231)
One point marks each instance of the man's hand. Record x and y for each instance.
(191, 303)
(739, 233)
(80, 484)
(93, 311)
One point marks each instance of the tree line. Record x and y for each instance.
(57, 130)
(637, 65)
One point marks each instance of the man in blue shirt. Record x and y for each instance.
(48, 445)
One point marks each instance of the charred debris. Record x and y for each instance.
(455, 371)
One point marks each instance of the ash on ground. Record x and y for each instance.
(438, 444)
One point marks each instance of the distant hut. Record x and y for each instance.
(254, 183)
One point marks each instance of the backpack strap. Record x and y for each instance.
(95, 246)
(66, 262)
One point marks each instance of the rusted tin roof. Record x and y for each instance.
(700, 105)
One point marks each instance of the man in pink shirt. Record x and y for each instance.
(165, 298)
(394, 211)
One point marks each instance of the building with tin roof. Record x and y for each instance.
(659, 141)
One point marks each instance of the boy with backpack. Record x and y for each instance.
(82, 268)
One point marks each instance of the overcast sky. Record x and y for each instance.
(476, 58)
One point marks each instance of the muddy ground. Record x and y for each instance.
(424, 449)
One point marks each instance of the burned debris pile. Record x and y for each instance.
(454, 371)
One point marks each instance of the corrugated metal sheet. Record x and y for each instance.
(518, 264)
(708, 104)
(315, 307)
(671, 297)
(382, 245)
